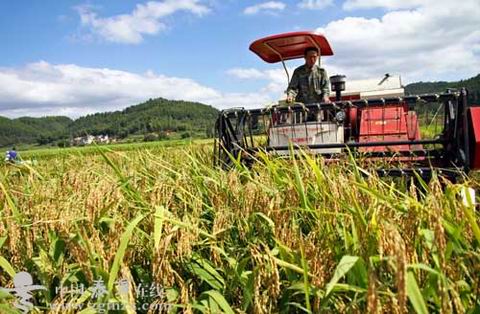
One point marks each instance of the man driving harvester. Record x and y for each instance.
(309, 83)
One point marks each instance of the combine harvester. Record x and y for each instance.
(411, 134)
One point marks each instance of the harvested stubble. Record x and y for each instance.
(286, 236)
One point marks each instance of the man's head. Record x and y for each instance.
(311, 56)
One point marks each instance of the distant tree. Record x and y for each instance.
(162, 135)
(209, 132)
(43, 140)
(150, 137)
(63, 143)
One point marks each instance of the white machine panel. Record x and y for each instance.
(310, 133)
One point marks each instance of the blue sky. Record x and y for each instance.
(75, 57)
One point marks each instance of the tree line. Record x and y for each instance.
(471, 84)
(155, 116)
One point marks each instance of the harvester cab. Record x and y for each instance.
(372, 119)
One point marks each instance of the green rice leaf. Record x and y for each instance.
(346, 263)
(5, 295)
(2, 241)
(266, 218)
(88, 311)
(10, 201)
(204, 271)
(415, 295)
(121, 250)
(298, 181)
(6, 309)
(220, 301)
(7, 267)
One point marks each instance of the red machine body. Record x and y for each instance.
(475, 137)
(388, 123)
(383, 123)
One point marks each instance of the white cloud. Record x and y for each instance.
(386, 4)
(146, 19)
(270, 7)
(435, 41)
(314, 4)
(41, 88)
(250, 73)
(276, 79)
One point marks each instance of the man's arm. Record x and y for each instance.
(292, 89)
(325, 86)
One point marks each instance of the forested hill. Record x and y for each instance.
(153, 116)
(471, 84)
(31, 130)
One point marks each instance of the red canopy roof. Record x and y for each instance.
(289, 46)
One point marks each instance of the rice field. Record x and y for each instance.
(158, 229)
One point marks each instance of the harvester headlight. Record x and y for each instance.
(340, 116)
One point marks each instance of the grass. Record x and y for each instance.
(287, 236)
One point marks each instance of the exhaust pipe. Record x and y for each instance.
(338, 85)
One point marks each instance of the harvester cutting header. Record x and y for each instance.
(421, 132)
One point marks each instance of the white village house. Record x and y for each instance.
(89, 139)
